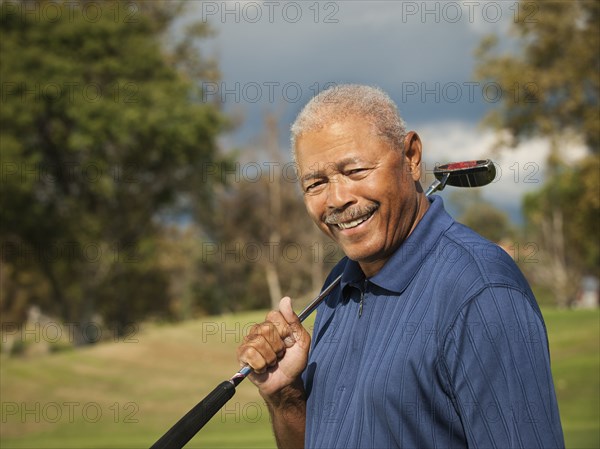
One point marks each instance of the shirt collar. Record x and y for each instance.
(406, 261)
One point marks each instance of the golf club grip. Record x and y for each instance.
(185, 429)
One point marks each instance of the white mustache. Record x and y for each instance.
(337, 217)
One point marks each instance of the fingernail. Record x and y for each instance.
(296, 333)
(289, 341)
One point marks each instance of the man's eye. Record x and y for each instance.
(355, 171)
(314, 186)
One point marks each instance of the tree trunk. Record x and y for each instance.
(273, 283)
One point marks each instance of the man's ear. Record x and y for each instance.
(413, 151)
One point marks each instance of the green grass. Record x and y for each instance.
(116, 395)
(575, 350)
(128, 394)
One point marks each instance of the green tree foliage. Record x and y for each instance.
(553, 84)
(481, 216)
(573, 191)
(555, 91)
(102, 126)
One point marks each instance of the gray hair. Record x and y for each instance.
(351, 100)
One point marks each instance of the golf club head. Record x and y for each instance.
(466, 174)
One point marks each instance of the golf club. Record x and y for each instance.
(460, 174)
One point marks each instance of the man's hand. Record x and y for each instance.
(276, 350)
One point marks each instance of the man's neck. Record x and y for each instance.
(371, 268)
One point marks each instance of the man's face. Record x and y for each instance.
(359, 190)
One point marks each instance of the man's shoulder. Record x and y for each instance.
(463, 246)
(468, 267)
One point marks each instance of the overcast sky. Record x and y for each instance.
(275, 55)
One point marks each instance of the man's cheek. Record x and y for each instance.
(323, 227)
(313, 211)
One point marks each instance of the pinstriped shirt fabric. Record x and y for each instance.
(450, 351)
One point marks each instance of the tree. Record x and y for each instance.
(261, 235)
(553, 85)
(554, 91)
(481, 216)
(102, 126)
(563, 218)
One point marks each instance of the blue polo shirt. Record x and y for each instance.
(449, 350)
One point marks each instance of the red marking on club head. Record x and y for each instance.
(460, 165)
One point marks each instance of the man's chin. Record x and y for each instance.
(358, 254)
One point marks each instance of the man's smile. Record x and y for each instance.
(350, 218)
(354, 223)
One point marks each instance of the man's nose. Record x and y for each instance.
(339, 194)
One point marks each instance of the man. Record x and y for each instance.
(433, 338)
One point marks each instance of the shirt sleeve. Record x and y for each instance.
(497, 367)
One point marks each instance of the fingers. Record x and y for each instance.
(266, 343)
(262, 347)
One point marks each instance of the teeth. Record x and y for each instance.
(352, 224)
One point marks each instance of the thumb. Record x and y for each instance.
(285, 307)
(298, 332)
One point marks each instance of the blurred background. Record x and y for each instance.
(150, 212)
